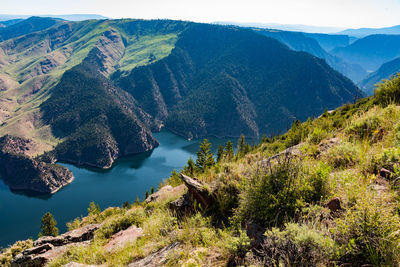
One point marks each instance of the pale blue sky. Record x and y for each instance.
(335, 13)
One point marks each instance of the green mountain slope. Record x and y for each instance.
(384, 72)
(31, 65)
(234, 81)
(310, 43)
(33, 24)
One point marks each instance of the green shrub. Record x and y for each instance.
(364, 127)
(315, 186)
(198, 231)
(238, 245)
(227, 200)
(317, 135)
(369, 233)
(296, 134)
(297, 245)
(94, 209)
(388, 91)
(174, 179)
(388, 159)
(342, 155)
(121, 222)
(7, 254)
(268, 197)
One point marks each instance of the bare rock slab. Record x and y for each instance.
(124, 237)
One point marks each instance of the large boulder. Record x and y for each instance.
(183, 204)
(198, 191)
(124, 237)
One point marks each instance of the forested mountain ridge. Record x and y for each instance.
(258, 78)
(371, 51)
(312, 43)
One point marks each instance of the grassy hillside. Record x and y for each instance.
(331, 199)
(31, 64)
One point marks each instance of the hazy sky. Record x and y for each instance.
(337, 13)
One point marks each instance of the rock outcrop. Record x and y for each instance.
(198, 191)
(158, 258)
(48, 248)
(165, 192)
(123, 237)
(21, 172)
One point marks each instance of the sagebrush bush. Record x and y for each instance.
(317, 135)
(369, 232)
(342, 155)
(315, 186)
(272, 194)
(364, 127)
(121, 222)
(297, 245)
(388, 91)
(389, 159)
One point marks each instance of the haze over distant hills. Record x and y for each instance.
(384, 72)
(284, 27)
(362, 32)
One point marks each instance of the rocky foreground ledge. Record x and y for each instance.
(21, 172)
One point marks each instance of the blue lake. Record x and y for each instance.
(130, 177)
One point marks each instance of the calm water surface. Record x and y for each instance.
(130, 177)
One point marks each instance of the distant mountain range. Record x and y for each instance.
(92, 91)
(71, 17)
(284, 27)
(309, 43)
(362, 32)
(371, 51)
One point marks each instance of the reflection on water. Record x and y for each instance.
(130, 177)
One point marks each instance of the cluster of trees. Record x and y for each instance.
(205, 158)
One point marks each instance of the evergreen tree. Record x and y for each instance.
(190, 168)
(126, 205)
(146, 195)
(93, 209)
(152, 190)
(205, 158)
(137, 201)
(48, 227)
(229, 153)
(220, 153)
(241, 145)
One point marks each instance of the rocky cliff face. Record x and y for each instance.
(21, 172)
